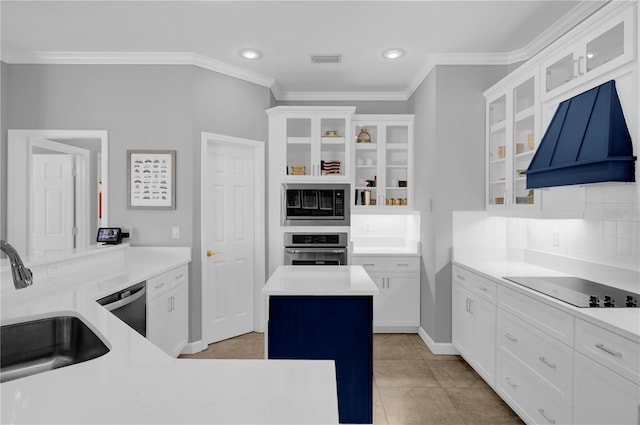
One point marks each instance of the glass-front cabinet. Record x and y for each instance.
(512, 138)
(383, 162)
(591, 56)
(314, 142)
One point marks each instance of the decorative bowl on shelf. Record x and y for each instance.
(331, 133)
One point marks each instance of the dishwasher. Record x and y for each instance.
(130, 306)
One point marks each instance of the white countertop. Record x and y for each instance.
(623, 321)
(136, 382)
(320, 280)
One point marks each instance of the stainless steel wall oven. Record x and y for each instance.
(324, 249)
(315, 204)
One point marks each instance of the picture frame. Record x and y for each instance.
(151, 179)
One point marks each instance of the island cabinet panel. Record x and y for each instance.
(329, 328)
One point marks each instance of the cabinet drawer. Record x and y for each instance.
(177, 275)
(546, 356)
(157, 285)
(550, 320)
(403, 264)
(528, 394)
(476, 283)
(611, 350)
(371, 264)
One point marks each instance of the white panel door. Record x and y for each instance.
(53, 205)
(229, 238)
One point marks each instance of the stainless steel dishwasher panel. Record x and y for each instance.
(130, 306)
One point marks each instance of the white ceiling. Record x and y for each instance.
(287, 33)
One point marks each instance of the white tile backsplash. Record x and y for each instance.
(609, 234)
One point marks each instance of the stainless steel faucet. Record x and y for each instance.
(22, 276)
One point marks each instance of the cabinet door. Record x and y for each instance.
(397, 157)
(602, 396)
(178, 320)
(462, 327)
(380, 301)
(483, 348)
(403, 299)
(157, 321)
(384, 165)
(368, 166)
(607, 47)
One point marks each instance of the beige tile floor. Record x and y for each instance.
(411, 385)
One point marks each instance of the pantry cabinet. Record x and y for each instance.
(310, 144)
(382, 177)
(397, 307)
(167, 310)
(474, 321)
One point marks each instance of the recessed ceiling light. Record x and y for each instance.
(250, 54)
(392, 53)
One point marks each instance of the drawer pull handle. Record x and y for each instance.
(180, 276)
(369, 265)
(402, 264)
(160, 285)
(609, 351)
(511, 338)
(484, 289)
(508, 381)
(459, 276)
(544, 415)
(546, 362)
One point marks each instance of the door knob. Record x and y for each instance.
(212, 253)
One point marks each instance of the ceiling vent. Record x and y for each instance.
(587, 142)
(326, 58)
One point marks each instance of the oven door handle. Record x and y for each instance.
(301, 250)
(125, 301)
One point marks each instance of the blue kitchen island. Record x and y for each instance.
(326, 313)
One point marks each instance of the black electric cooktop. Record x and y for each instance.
(578, 292)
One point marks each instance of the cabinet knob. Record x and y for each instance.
(212, 253)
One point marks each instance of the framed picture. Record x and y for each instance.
(151, 176)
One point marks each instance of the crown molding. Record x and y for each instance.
(576, 15)
(137, 58)
(340, 96)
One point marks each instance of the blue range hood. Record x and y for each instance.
(587, 142)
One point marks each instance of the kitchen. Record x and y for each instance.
(156, 102)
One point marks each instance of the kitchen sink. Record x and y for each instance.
(37, 346)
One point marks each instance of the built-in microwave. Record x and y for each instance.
(308, 204)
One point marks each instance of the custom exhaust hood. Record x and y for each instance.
(587, 141)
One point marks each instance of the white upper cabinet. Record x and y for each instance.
(512, 138)
(521, 105)
(310, 143)
(596, 52)
(383, 163)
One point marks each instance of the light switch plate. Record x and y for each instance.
(175, 232)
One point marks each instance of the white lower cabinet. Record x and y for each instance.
(168, 310)
(527, 395)
(474, 322)
(602, 396)
(551, 366)
(397, 306)
(606, 373)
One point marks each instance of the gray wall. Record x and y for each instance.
(142, 107)
(450, 142)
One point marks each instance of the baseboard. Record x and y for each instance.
(194, 347)
(436, 347)
(395, 329)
